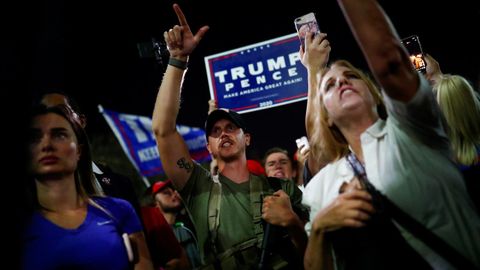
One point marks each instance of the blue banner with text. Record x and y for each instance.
(258, 76)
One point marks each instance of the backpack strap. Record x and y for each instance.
(214, 205)
(258, 189)
(275, 183)
(256, 201)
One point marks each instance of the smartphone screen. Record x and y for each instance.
(414, 48)
(304, 24)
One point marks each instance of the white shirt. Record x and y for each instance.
(407, 159)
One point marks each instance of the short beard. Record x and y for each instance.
(232, 157)
(173, 210)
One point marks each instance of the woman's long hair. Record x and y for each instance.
(84, 178)
(461, 108)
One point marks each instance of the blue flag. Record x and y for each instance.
(134, 133)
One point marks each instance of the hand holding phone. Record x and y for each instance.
(414, 48)
(302, 144)
(304, 24)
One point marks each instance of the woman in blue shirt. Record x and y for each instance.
(72, 226)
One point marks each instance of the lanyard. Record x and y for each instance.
(361, 174)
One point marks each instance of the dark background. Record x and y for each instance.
(89, 50)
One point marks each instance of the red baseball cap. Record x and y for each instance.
(255, 167)
(158, 186)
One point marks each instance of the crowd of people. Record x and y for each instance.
(390, 179)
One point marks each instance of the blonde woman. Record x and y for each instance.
(406, 157)
(461, 109)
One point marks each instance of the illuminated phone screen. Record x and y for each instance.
(414, 48)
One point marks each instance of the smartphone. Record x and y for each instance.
(304, 24)
(414, 48)
(303, 143)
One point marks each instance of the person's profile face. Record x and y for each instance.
(169, 199)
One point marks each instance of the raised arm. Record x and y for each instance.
(387, 58)
(174, 154)
(314, 58)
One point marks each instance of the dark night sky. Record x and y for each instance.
(89, 50)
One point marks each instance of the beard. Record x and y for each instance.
(231, 156)
(170, 208)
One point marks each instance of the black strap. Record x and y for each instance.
(275, 183)
(455, 258)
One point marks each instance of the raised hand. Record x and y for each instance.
(180, 40)
(212, 105)
(433, 72)
(317, 51)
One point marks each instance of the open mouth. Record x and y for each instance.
(346, 90)
(226, 143)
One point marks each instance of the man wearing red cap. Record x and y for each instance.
(168, 201)
(227, 209)
(165, 249)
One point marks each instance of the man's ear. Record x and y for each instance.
(208, 148)
(247, 139)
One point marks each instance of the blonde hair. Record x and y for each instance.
(461, 109)
(327, 141)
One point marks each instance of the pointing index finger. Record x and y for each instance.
(180, 15)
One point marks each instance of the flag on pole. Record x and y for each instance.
(134, 133)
